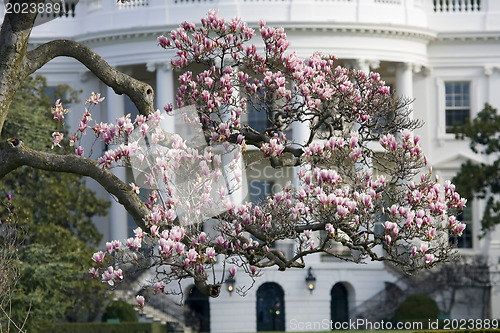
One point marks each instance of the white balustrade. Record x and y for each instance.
(133, 4)
(457, 5)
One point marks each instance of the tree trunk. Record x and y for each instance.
(14, 34)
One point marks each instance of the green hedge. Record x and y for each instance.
(105, 328)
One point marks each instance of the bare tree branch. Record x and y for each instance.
(141, 94)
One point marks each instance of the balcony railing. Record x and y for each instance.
(457, 5)
(100, 16)
(389, 2)
(192, 1)
(437, 6)
(133, 4)
(65, 10)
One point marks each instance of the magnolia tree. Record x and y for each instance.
(359, 165)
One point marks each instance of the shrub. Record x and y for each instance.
(120, 310)
(417, 307)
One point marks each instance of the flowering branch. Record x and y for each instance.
(15, 154)
(358, 177)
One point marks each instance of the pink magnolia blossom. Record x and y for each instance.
(58, 111)
(330, 229)
(79, 151)
(232, 271)
(459, 228)
(57, 137)
(431, 233)
(273, 148)
(133, 243)
(135, 188)
(155, 231)
(111, 275)
(94, 99)
(192, 255)
(140, 301)
(210, 253)
(342, 211)
(429, 258)
(98, 257)
(109, 247)
(177, 233)
(166, 246)
(179, 248)
(94, 273)
(202, 237)
(159, 287)
(308, 234)
(139, 233)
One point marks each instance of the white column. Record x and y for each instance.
(363, 65)
(488, 72)
(165, 93)
(300, 130)
(117, 214)
(404, 80)
(238, 190)
(238, 197)
(300, 135)
(366, 65)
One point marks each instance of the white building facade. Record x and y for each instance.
(443, 53)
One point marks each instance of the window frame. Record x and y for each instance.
(441, 103)
(467, 217)
(256, 115)
(266, 185)
(456, 109)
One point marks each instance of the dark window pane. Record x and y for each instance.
(457, 104)
(257, 107)
(259, 190)
(466, 240)
(258, 120)
(455, 117)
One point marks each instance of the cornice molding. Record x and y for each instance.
(153, 66)
(468, 36)
(354, 29)
(375, 30)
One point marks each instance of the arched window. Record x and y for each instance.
(270, 307)
(339, 306)
(198, 311)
